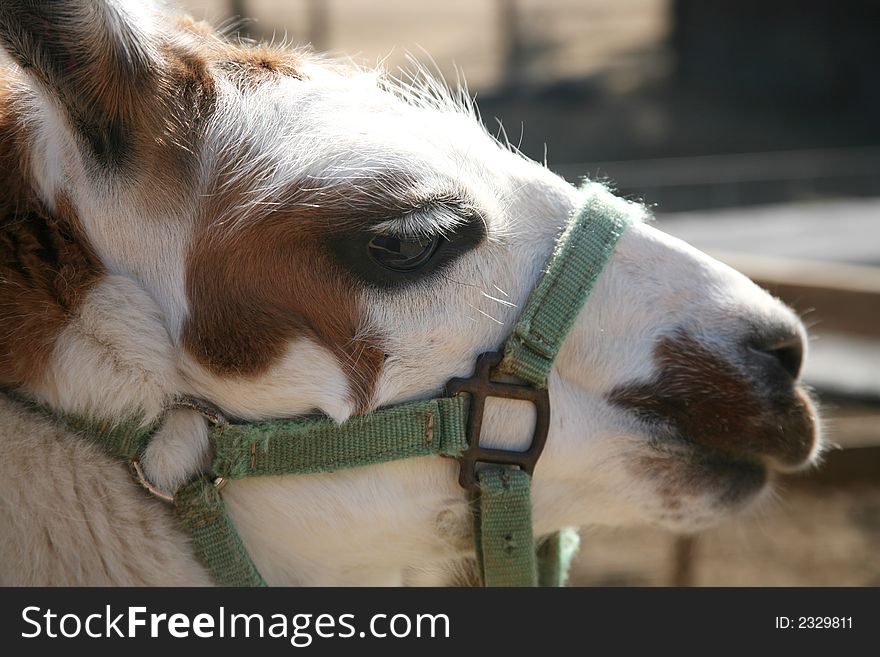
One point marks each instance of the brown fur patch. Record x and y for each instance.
(678, 480)
(253, 65)
(144, 117)
(16, 193)
(137, 107)
(46, 265)
(256, 287)
(246, 63)
(708, 401)
(46, 262)
(252, 295)
(186, 96)
(45, 273)
(102, 87)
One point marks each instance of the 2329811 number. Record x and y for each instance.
(825, 622)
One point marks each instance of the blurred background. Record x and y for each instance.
(752, 128)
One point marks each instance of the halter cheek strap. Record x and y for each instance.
(498, 481)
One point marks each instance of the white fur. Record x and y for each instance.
(72, 516)
(115, 358)
(179, 449)
(404, 521)
(291, 388)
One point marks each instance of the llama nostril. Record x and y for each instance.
(790, 356)
(785, 350)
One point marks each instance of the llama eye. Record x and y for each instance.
(390, 256)
(402, 253)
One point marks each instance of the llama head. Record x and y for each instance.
(282, 234)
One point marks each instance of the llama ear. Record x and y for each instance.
(93, 57)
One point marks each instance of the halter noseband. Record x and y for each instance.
(499, 481)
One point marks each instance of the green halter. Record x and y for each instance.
(499, 481)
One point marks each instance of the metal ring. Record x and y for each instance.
(206, 409)
(138, 472)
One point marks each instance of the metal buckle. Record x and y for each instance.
(480, 386)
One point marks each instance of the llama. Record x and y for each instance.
(282, 234)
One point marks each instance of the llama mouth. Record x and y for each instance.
(709, 403)
(734, 481)
(682, 468)
(723, 454)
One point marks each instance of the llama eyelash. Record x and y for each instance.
(433, 219)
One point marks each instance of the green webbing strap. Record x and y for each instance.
(124, 439)
(214, 539)
(423, 428)
(503, 528)
(562, 291)
(432, 427)
(200, 509)
(503, 524)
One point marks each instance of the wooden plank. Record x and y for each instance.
(852, 427)
(731, 168)
(830, 296)
(841, 467)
